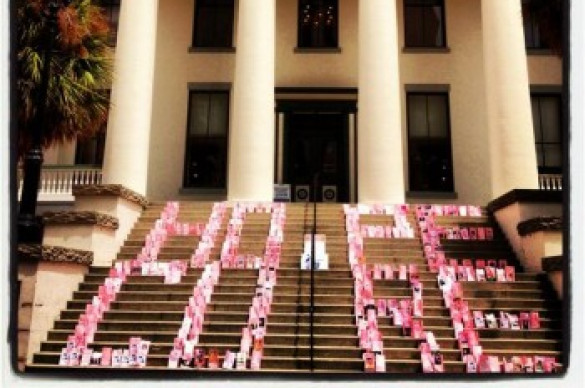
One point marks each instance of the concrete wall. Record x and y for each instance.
(60, 154)
(27, 278)
(556, 279)
(97, 239)
(541, 244)
(126, 211)
(49, 300)
(549, 243)
(461, 68)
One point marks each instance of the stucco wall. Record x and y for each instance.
(101, 241)
(461, 68)
(545, 244)
(50, 300)
(538, 245)
(545, 70)
(125, 211)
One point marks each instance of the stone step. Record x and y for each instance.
(281, 364)
(218, 306)
(242, 316)
(299, 350)
(320, 287)
(532, 334)
(446, 220)
(515, 303)
(149, 308)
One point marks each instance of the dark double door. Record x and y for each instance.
(317, 142)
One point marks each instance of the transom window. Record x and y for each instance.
(429, 142)
(214, 21)
(424, 23)
(207, 140)
(317, 23)
(546, 117)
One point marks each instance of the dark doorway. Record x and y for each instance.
(317, 142)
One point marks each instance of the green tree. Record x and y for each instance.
(81, 70)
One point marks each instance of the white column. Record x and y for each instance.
(128, 136)
(251, 151)
(380, 166)
(512, 150)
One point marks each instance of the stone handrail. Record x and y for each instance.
(57, 181)
(550, 181)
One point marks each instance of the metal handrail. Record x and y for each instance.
(313, 233)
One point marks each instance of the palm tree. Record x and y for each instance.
(77, 102)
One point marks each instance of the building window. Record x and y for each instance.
(214, 22)
(546, 116)
(318, 24)
(532, 27)
(111, 9)
(429, 142)
(424, 23)
(207, 140)
(91, 151)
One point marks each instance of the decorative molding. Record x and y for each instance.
(110, 191)
(540, 51)
(81, 218)
(552, 263)
(432, 194)
(317, 50)
(426, 50)
(212, 50)
(54, 254)
(546, 89)
(209, 86)
(445, 88)
(315, 90)
(525, 195)
(540, 224)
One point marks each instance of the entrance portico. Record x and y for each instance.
(372, 61)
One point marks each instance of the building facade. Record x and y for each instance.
(387, 100)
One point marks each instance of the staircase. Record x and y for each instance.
(153, 310)
(530, 292)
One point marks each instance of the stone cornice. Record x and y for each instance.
(552, 263)
(527, 196)
(54, 254)
(110, 190)
(81, 218)
(540, 224)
